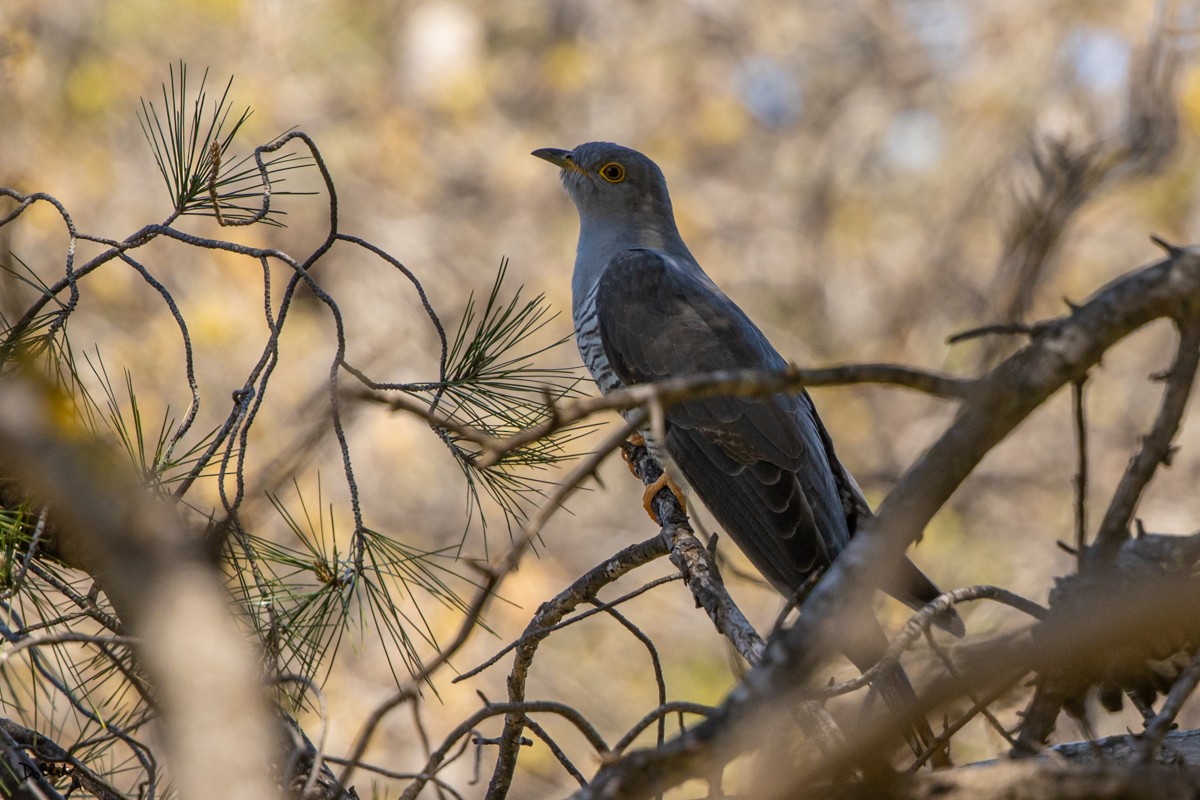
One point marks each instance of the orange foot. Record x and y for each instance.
(664, 482)
(637, 441)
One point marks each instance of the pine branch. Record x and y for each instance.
(190, 147)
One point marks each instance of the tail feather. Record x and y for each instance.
(864, 645)
(897, 691)
(911, 587)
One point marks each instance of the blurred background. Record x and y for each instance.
(851, 173)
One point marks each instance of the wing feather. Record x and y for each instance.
(764, 466)
(759, 464)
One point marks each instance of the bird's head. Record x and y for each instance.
(614, 184)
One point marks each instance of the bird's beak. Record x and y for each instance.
(560, 158)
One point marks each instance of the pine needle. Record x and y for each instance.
(183, 143)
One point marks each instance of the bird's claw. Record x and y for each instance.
(635, 440)
(664, 482)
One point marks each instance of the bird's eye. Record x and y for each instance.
(612, 172)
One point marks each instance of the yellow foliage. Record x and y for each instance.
(1189, 99)
(92, 87)
(567, 67)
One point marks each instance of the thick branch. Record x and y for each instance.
(168, 595)
(1091, 635)
(20, 777)
(1029, 780)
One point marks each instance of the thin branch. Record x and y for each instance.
(493, 577)
(394, 775)
(410, 690)
(1081, 474)
(919, 624)
(979, 705)
(999, 328)
(654, 548)
(549, 615)
(62, 638)
(495, 709)
(655, 662)
(1162, 722)
(1156, 446)
(540, 732)
(667, 392)
(86, 603)
(658, 714)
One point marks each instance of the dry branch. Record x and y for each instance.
(696, 564)
(1156, 446)
(548, 615)
(1036, 780)
(664, 393)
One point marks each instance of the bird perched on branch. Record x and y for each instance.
(765, 467)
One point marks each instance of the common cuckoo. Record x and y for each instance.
(765, 467)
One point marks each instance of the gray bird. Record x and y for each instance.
(765, 467)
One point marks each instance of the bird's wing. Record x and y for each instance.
(759, 464)
(765, 467)
(908, 584)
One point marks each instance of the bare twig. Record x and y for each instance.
(410, 691)
(549, 615)
(917, 625)
(496, 709)
(394, 774)
(540, 732)
(1156, 446)
(1162, 722)
(655, 662)
(86, 603)
(1081, 474)
(667, 392)
(659, 714)
(999, 328)
(979, 705)
(61, 638)
(656, 548)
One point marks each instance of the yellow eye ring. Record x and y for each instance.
(612, 172)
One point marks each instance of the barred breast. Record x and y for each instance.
(587, 337)
(591, 349)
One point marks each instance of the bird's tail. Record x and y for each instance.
(901, 699)
(865, 644)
